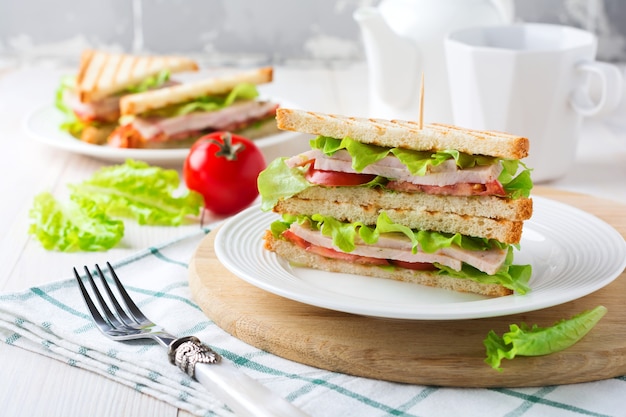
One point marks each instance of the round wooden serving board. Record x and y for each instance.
(442, 353)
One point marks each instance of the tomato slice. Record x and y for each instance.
(460, 189)
(417, 266)
(337, 179)
(295, 239)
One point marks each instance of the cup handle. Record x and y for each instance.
(611, 89)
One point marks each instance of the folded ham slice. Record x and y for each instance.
(232, 117)
(390, 167)
(143, 132)
(104, 110)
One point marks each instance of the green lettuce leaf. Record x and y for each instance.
(243, 91)
(536, 341)
(139, 191)
(278, 181)
(149, 83)
(516, 186)
(344, 234)
(73, 226)
(513, 277)
(417, 161)
(148, 194)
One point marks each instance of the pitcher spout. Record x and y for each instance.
(392, 60)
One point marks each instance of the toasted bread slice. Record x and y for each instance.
(102, 74)
(135, 104)
(301, 257)
(479, 216)
(404, 134)
(506, 231)
(492, 207)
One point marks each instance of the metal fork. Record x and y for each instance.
(125, 321)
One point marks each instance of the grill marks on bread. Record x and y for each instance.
(102, 74)
(405, 134)
(182, 93)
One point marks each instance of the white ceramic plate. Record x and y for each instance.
(573, 253)
(43, 125)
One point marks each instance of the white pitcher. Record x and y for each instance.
(404, 38)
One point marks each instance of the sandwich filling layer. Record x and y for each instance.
(388, 244)
(234, 111)
(347, 162)
(445, 178)
(231, 118)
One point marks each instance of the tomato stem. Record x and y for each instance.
(227, 149)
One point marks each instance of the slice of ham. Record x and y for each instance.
(105, 110)
(399, 247)
(331, 253)
(390, 167)
(230, 118)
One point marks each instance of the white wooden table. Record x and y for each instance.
(32, 385)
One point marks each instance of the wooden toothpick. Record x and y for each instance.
(421, 109)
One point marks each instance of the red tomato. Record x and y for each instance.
(418, 266)
(337, 179)
(224, 168)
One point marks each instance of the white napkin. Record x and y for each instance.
(53, 320)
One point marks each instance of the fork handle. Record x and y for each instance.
(245, 396)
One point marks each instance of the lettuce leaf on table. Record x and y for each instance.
(132, 190)
(139, 191)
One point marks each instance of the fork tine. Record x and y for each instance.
(98, 319)
(118, 308)
(135, 312)
(113, 321)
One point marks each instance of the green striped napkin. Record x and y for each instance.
(52, 320)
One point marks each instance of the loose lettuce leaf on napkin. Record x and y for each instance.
(73, 226)
(536, 341)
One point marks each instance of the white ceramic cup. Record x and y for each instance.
(530, 80)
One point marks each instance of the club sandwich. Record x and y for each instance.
(177, 115)
(436, 205)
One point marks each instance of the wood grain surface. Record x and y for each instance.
(442, 353)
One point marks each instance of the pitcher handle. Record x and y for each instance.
(611, 89)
